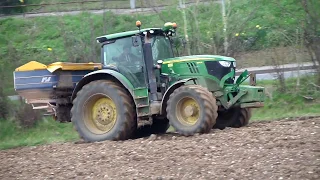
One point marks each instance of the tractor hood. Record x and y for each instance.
(213, 65)
(198, 58)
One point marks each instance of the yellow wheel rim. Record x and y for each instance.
(188, 111)
(100, 114)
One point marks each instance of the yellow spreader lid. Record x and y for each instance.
(32, 65)
(73, 66)
(65, 66)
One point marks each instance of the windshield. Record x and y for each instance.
(161, 48)
(128, 59)
(121, 51)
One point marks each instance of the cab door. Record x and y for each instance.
(127, 58)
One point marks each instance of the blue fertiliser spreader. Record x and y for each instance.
(43, 85)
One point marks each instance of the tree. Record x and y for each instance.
(311, 29)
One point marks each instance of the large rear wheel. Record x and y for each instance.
(103, 110)
(191, 109)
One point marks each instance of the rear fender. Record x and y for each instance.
(170, 90)
(103, 74)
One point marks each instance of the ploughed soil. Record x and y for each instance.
(285, 149)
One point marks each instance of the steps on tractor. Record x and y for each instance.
(142, 100)
(141, 97)
(142, 105)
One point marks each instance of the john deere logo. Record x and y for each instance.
(46, 79)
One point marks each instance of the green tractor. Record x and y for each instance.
(144, 85)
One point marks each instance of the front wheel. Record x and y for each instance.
(191, 109)
(244, 117)
(234, 117)
(103, 110)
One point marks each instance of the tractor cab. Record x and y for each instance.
(136, 54)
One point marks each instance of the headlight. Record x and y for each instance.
(225, 63)
(234, 64)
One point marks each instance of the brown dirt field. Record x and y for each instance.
(286, 149)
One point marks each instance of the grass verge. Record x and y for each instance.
(45, 131)
(297, 100)
(278, 110)
(45, 6)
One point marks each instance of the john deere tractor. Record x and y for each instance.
(142, 83)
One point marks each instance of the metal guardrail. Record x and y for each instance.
(281, 68)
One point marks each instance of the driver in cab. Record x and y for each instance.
(131, 65)
(127, 56)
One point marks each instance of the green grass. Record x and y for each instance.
(113, 4)
(286, 112)
(292, 103)
(45, 6)
(288, 105)
(45, 131)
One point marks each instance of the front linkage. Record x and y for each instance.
(240, 95)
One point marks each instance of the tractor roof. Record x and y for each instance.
(104, 38)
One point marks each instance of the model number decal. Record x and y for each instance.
(46, 79)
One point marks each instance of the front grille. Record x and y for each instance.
(216, 69)
(193, 68)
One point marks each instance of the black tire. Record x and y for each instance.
(63, 113)
(124, 121)
(244, 118)
(227, 118)
(234, 117)
(159, 126)
(204, 104)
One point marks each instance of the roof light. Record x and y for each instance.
(174, 25)
(168, 24)
(138, 23)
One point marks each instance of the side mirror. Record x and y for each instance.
(135, 41)
(159, 64)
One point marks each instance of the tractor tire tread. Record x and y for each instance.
(126, 130)
(211, 98)
(209, 114)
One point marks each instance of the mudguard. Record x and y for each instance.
(102, 74)
(170, 90)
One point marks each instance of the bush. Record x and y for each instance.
(4, 106)
(26, 117)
